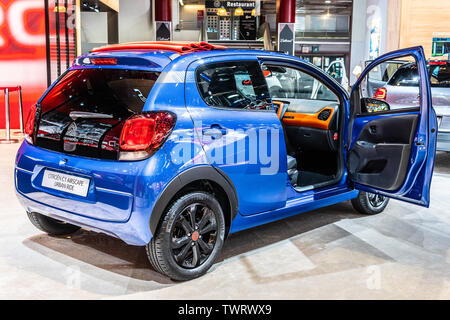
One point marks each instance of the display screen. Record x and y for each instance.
(441, 47)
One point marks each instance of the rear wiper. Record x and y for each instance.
(89, 115)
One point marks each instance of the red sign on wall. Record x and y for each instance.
(22, 53)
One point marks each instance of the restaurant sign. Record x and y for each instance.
(230, 4)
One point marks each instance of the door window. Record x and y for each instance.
(400, 90)
(298, 87)
(234, 85)
(384, 71)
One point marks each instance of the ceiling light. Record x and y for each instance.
(222, 12)
(239, 12)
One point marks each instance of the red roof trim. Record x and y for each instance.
(179, 47)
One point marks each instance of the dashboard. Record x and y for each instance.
(310, 124)
(307, 113)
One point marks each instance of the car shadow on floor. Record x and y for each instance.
(114, 255)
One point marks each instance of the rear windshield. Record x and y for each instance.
(408, 76)
(112, 91)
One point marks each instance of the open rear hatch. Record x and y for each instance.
(84, 113)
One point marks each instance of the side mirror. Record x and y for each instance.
(267, 73)
(371, 105)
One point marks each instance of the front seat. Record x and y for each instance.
(292, 170)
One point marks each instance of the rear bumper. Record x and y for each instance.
(120, 199)
(134, 232)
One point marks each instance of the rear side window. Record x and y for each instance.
(408, 76)
(235, 85)
(440, 75)
(405, 77)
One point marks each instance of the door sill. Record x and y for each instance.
(318, 185)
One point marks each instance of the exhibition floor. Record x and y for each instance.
(331, 253)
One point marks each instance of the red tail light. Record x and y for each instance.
(381, 94)
(104, 61)
(29, 125)
(437, 63)
(144, 133)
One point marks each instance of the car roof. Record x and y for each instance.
(156, 56)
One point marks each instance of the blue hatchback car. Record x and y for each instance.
(174, 147)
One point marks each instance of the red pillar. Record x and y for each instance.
(286, 11)
(285, 26)
(163, 10)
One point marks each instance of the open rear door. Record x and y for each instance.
(391, 151)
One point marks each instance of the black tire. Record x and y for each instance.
(51, 226)
(369, 203)
(178, 249)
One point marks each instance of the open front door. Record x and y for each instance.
(392, 149)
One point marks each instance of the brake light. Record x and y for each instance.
(143, 134)
(381, 94)
(104, 61)
(437, 63)
(29, 125)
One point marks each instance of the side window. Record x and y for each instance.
(400, 91)
(235, 85)
(407, 76)
(299, 88)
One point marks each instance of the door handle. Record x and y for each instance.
(215, 132)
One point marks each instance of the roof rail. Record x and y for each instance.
(178, 47)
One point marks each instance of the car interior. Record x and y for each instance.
(309, 113)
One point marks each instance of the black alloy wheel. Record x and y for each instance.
(194, 236)
(370, 203)
(189, 238)
(376, 200)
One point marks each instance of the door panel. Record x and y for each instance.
(381, 154)
(391, 152)
(240, 136)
